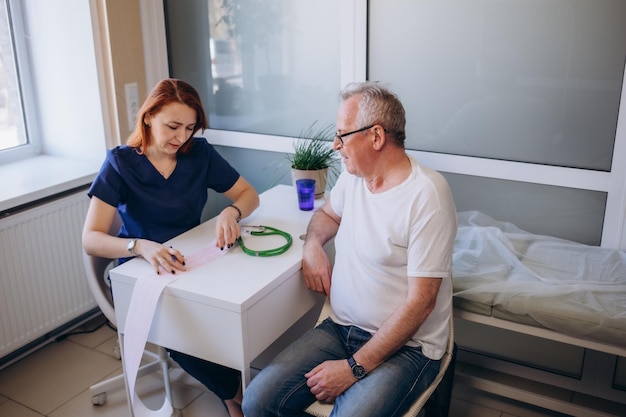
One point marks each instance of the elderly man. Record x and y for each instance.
(390, 289)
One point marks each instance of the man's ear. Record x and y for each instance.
(379, 137)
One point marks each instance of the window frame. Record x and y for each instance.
(353, 52)
(21, 56)
(354, 68)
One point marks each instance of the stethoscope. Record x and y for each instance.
(265, 231)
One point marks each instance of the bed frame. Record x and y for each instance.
(538, 387)
(545, 344)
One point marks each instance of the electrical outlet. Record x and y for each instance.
(132, 103)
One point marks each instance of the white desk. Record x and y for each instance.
(234, 308)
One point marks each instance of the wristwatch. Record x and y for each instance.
(357, 369)
(131, 246)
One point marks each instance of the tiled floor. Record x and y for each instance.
(55, 381)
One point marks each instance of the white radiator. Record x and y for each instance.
(42, 278)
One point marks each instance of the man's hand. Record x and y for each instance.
(330, 379)
(316, 266)
(316, 269)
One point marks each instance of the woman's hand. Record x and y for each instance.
(162, 258)
(245, 200)
(226, 229)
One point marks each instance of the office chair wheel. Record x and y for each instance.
(116, 353)
(177, 412)
(99, 399)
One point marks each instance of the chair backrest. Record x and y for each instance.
(443, 367)
(96, 269)
(319, 409)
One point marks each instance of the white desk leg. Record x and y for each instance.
(245, 378)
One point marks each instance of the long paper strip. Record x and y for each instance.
(144, 299)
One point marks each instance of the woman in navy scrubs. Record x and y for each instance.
(158, 184)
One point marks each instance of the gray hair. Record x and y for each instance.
(378, 105)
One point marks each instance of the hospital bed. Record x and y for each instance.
(564, 295)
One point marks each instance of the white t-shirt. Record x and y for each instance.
(385, 239)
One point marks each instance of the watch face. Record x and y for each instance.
(131, 246)
(358, 371)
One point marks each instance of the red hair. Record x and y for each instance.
(165, 92)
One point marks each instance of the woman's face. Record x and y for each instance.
(171, 127)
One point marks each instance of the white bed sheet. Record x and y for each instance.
(565, 286)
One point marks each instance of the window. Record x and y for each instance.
(528, 81)
(14, 139)
(519, 100)
(261, 66)
(55, 73)
(517, 103)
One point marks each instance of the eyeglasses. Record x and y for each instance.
(340, 137)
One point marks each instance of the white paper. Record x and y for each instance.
(143, 303)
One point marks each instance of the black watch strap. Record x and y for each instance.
(358, 370)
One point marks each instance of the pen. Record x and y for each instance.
(174, 258)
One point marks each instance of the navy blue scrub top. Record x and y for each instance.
(155, 208)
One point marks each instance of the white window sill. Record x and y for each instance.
(42, 176)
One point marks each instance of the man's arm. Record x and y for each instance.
(331, 378)
(316, 266)
(402, 324)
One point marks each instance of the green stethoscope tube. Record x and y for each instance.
(265, 231)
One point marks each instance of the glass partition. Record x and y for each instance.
(567, 213)
(531, 81)
(263, 66)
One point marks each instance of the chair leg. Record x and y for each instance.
(100, 389)
(158, 362)
(164, 364)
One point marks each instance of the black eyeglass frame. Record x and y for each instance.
(340, 137)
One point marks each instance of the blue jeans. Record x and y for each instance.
(280, 389)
